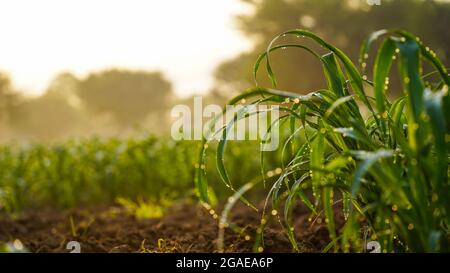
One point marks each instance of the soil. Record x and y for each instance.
(186, 227)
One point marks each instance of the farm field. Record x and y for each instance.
(186, 227)
(314, 140)
(389, 169)
(53, 194)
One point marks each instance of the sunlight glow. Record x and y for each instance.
(185, 39)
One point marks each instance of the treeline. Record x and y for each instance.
(118, 102)
(107, 102)
(344, 23)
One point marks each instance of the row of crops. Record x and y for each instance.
(385, 161)
(98, 171)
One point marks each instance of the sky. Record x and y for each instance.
(186, 39)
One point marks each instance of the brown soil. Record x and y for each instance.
(184, 228)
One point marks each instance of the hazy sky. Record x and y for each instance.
(184, 38)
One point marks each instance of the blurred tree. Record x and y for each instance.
(128, 95)
(343, 23)
(4, 90)
(53, 115)
(48, 117)
(8, 99)
(65, 85)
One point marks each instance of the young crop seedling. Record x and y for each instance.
(383, 161)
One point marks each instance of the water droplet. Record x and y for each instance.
(425, 117)
(436, 212)
(18, 244)
(278, 170)
(434, 197)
